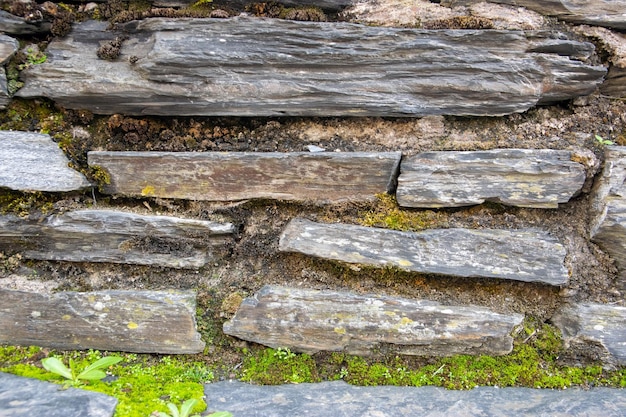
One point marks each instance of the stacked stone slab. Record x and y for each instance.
(288, 68)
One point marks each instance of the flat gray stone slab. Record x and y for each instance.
(117, 237)
(602, 323)
(342, 400)
(271, 67)
(311, 321)
(522, 255)
(518, 177)
(127, 321)
(33, 162)
(15, 25)
(320, 177)
(590, 12)
(27, 397)
(608, 227)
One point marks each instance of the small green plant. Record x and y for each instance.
(93, 372)
(601, 141)
(284, 353)
(33, 57)
(185, 410)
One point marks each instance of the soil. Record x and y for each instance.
(253, 259)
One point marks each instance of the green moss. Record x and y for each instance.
(279, 366)
(141, 383)
(21, 204)
(386, 213)
(28, 115)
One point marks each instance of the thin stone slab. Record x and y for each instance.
(517, 177)
(33, 162)
(117, 237)
(247, 66)
(27, 397)
(15, 25)
(127, 321)
(592, 12)
(320, 177)
(522, 255)
(602, 323)
(343, 400)
(312, 321)
(608, 208)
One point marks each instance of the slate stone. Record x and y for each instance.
(27, 397)
(8, 46)
(602, 323)
(318, 177)
(608, 209)
(343, 400)
(522, 255)
(331, 5)
(127, 321)
(33, 162)
(312, 321)
(4, 92)
(518, 177)
(14, 25)
(247, 66)
(591, 12)
(117, 237)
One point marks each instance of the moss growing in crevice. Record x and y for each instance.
(386, 213)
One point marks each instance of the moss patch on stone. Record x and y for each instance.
(386, 213)
(141, 383)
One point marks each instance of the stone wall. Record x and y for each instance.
(303, 249)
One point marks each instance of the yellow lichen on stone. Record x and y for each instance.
(132, 325)
(339, 330)
(148, 190)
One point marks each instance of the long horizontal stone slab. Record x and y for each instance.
(608, 208)
(591, 12)
(602, 323)
(115, 236)
(271, 67)
(33, 162)
(127, 321)
(311, 321)
(540, 178)
(28, 397)
(315, 400)
(319, 177)
(522, 255)
(16, 25)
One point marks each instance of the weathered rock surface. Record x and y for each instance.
(517, 177)
(8, 46)
(319, 177)
(114, 236)
(271, 67)
(614, 45)
(241, 4)
(601, 323)
(315, 400)
(27, 397)
(33, 162)
(523, 255)
(311, 321)
(128, 321)
(15, 25)
(592, 12)
(608, 227)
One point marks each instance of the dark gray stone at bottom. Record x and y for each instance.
(26, 397)
(340, 399)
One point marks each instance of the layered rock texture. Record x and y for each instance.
(518, 177)
(595, 323)
(131, 321)
(114, 236)
(322, 177)
(309, 69)
(609, 208)
(33, 162)
(312, 321)
(523, 255)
